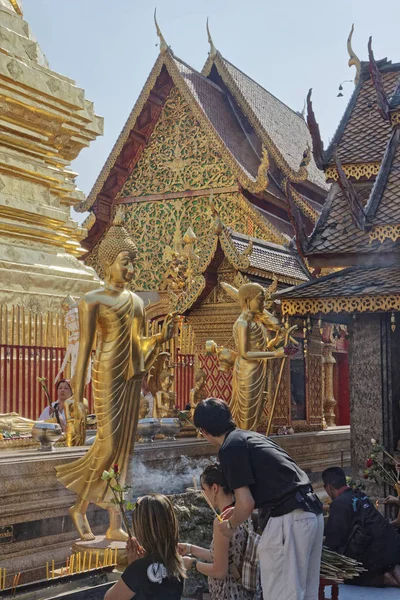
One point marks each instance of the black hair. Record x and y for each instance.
(334, 476)
(214, 416)
(214, 474)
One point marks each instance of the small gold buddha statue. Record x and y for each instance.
(75, 436)
(144, 407)
(199, 392)
(164, 402)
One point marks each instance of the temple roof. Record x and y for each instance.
(283, 131)
(270, 258)
(355, 281)
(336, 231)
(362, 135)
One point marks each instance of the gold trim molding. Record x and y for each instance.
(304, 206)
(346, 304)
(384, 232)
(356, 170)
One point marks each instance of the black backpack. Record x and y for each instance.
(360, 537)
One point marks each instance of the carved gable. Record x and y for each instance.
(179, 156)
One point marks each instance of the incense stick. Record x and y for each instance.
(211, 506)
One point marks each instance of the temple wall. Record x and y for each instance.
(366, 415)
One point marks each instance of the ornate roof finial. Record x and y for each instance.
(16, 4)
(383, 102)
(353, 60)
(213, 50)
(318, 145)
(163, 43)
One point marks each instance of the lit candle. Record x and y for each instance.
(106, 557)
(4, 579)
(97, 560)
(116, 556)
(52, 569)
(84, 561)
(67, 565)
(90, 560)
(79, 562)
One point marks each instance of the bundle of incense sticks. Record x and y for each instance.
(78, 563)
(211, 506)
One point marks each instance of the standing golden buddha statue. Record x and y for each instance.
(123, 355)
(255, 346)
(199, 392)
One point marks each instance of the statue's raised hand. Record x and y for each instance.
(168, 327)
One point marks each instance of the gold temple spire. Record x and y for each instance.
(213, 50)
(353, 60)
(163, 43)
(16, 4)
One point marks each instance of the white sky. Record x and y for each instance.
(109, 48)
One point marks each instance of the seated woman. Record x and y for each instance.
(222, 563)
(56, 410)
(155, 570)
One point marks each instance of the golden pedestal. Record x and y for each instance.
(99, 545)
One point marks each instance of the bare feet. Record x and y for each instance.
(81, 524)
(390, 581)
(118, 535)
(396, 574)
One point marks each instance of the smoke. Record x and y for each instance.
(174, 478)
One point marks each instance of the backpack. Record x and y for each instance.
(359, 538)
(251, 566)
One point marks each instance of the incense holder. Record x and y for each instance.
(147, 429)
(170, 427)
(47, 434)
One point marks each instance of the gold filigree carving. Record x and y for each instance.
(153, 227)
(347, 304)
(395, 118)
(356, 170)
(178, 157)
(384, 232)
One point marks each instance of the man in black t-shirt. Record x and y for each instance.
(264, 476)
(355, 528)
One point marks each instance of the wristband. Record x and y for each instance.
(194, 563)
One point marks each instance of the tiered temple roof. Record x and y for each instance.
(262, 141)
(360, 222)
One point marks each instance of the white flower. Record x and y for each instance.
(373, 441)
(156, 572)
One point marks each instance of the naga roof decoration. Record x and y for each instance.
(383, 104)
(318, 144)
(354, 202)
(283, 131)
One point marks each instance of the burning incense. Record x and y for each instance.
(194, 483)
(71, 564)
(211, 506)
(67, 565)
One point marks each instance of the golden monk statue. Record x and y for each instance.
(199, 392)
(123, 355)
(14, 422)
(164, 402)
(254, 348)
